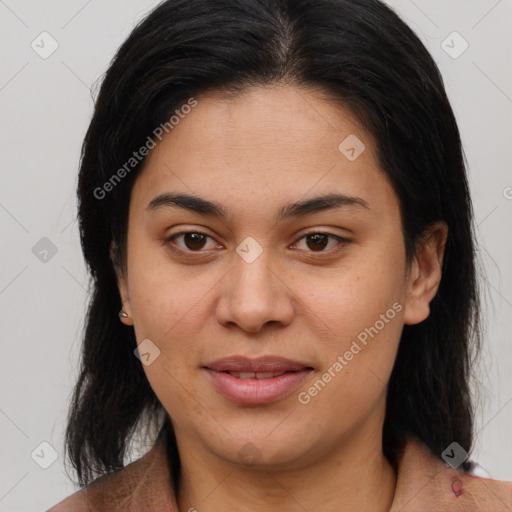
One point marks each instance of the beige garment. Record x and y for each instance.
(424, 483)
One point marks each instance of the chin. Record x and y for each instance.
(264, 452)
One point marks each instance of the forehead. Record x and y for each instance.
(263, 145)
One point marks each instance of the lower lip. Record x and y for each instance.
(257, 391)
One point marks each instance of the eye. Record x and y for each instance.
(317, 242)
(193, 241)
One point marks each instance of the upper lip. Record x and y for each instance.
(258, 364)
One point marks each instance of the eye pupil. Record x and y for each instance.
(197, 238)
(316, 239)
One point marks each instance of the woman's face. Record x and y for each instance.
(250, 284)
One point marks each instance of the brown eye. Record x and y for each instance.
(317, 242)
(192, 241)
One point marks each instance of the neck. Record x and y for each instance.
(355, 477)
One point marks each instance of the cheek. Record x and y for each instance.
(352, 297)
(358, 362)
(378, 280)
(172, 317)
(169, 302)
(362, 306)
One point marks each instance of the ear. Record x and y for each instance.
(424, 274)
(122, 285)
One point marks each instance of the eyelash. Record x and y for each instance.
(342, 242)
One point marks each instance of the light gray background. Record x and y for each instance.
(45, 107)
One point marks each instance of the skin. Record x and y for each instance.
(252, 154)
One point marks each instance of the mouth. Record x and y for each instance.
(256, 375)
(256, 381)
(263, 364)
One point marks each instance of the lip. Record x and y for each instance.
(254, 391)
(258, 364)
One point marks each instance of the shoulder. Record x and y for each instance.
(144, 485)
(425, 482)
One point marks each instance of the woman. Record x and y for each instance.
(273, 199)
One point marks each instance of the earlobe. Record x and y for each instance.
(425, 273)
(125, 314)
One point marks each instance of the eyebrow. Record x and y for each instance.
(291, 210)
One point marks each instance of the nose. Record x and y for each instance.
(254, 294)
